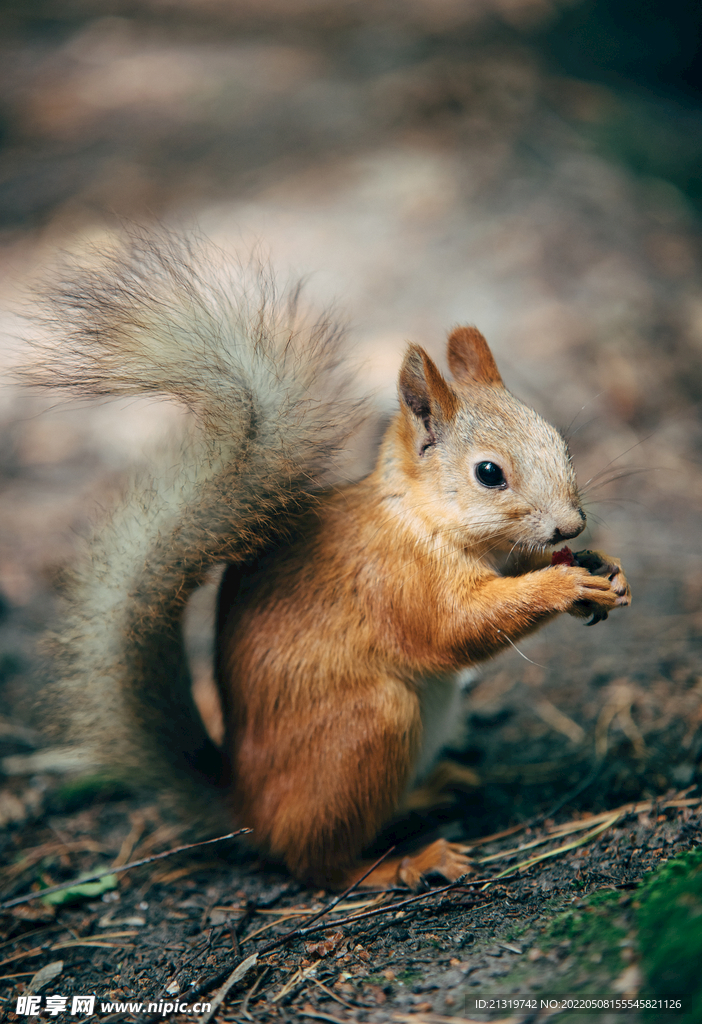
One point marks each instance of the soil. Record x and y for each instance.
(173, 931)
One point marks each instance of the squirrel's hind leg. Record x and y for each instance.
(318, 780)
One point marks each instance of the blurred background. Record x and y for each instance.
(533, 167)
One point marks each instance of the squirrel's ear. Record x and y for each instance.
(425, 393)
(470, 358)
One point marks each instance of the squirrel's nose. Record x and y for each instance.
(567, 532)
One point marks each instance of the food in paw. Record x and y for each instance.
(564, 556)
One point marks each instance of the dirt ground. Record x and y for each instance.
(174, 933)
(423, 164)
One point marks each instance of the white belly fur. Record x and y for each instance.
(442, 717)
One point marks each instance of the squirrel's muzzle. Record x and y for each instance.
(566, 531)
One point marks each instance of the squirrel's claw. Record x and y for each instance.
(589, 610)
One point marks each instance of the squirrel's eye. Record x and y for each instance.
(490, 475)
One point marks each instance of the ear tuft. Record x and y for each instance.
(470, 358)
(425, 393)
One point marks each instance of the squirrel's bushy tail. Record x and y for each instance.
(164, 316)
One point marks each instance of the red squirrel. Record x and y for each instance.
(345, 613)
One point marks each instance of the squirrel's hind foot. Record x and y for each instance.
(440, 858)
(447, 860)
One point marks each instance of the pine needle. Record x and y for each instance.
(558, 851)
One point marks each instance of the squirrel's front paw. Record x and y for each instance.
(600, 564)
(612, 588)
(583, 594)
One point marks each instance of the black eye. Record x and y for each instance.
(490, 475)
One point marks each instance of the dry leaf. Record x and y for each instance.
(325, 947)
(44, 976)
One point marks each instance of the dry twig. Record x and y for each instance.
(96, 875)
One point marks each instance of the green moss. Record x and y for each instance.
(669, 919)
(667, 916)
(593, 927)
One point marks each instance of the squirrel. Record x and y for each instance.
(346, 613)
